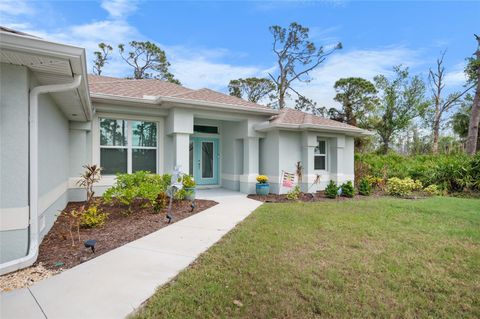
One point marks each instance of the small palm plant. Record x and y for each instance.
(91, 176)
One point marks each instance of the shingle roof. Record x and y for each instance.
(133, 88)
(150, 87)
(292, 116)
(5, 29)
(207, 95)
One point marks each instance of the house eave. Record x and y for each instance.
(214, 105)
(356, 132)
(169, 102)
(37, 46)
(123, 100)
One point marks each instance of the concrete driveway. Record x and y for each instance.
(118, 282)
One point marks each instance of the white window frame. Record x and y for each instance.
(318, 155)
(129, 147)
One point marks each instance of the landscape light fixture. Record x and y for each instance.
(175, 185)
(90, 244)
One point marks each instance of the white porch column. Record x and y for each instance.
(181, 155)
(340, 158)
(250, 164)
(179, 125)
(309, 142)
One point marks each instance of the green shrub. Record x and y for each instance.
(188, 181)
(347, 189)
(331, 191)
(93, 217)
(432, 190)
(365, 188)
(140, 185)
(374, 181)
(402, 187)
(160, 202)
(453, 173)
(180, 194)
(294, 194)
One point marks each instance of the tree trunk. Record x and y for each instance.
(475, 115)
(436, 133)
(384, 147)
(474, 120)
(281, 100)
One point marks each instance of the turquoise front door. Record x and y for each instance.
(204, 160)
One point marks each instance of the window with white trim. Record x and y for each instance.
(320, 155)
(127, 146)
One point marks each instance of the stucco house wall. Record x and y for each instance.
(280, 150)
(53, 162)
(53, 157)
(269, 155)
(14, 85)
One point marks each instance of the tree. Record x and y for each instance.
(473, 72)
(358, 99)
(440, 105)
(148, 61)
(252, 89)
(461, 119)
(401, 100)
(101, 57)
(307, 105)
(296, 57)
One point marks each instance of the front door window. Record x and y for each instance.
(207, 159)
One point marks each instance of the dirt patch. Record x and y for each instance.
(305, 197)
(57, 253)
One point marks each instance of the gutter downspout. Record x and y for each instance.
(33, 173)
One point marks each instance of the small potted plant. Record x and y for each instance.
(263, 188)
(189, 187)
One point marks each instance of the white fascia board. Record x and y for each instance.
(357, 132)
(169, 102)
(123, 100)
(76, 56)
(214, 105)
(38, 46)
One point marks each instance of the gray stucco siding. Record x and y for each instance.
(13, 136)
(14, 85)
(53, 146)
(53, 161)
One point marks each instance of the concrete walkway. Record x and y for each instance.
(116, 283)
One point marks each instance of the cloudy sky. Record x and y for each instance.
(210, 43)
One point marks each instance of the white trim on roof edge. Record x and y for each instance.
(33, 45)
(159, 101)
(267, 126)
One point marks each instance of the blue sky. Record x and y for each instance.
(209, 43)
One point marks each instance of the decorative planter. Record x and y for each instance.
(262, 189)
(189, 193)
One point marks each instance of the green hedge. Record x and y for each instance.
(453, 173)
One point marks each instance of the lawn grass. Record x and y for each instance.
(372, 258)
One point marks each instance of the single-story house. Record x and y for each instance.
(55, 118)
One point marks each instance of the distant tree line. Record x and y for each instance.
(145, 58)
(406, 112)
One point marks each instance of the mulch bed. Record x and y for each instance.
(57, 252)
(306, 197)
